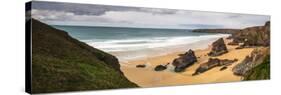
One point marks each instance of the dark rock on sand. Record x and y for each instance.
(161, 67)
(213, 62)
(184, 61)
(141, 66)
(218, 48)
(223, 68)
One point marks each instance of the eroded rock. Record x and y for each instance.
(218, 48)
(184, 61)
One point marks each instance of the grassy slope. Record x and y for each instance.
(61, 63)
(260, 72)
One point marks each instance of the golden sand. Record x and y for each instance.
(147, 77)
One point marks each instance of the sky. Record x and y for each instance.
(57, 13)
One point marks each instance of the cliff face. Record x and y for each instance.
(255, 66)
(256, 58)
(253, 36)
(225, 31)
(62, 63)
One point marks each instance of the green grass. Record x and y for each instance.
(260, 72)
(62, 63)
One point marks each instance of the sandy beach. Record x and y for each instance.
(147, 77)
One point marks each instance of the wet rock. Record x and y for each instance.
(184, 61)
(218, 48)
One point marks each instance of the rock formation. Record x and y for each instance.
(218, 48)
(184, 61)
(213, 62)
(256, 57)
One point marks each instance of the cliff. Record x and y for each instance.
(253, 36)
(62, 63)
(260, 72)
(224, 31)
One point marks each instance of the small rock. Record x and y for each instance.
(141, 66)
(161, 67)
(223, 68)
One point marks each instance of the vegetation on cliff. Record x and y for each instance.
(62, 63)
(260, 72)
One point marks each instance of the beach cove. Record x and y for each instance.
(147, 77)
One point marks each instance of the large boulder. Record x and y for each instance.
(218, 48)
(184, 61)
(213, 62)
(257, 56)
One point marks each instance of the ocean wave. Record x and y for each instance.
(116, 45)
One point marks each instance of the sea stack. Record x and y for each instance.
(184, 61)
(218, 48)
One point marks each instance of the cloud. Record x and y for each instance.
(101, 15)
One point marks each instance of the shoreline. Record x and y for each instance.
(162, 51)
(147, 77)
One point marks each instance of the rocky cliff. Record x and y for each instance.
(62, 63)
(253, 36)
(256, 58)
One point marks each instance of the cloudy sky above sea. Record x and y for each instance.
(56, 13)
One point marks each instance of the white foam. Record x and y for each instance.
(157, 42)
(127, 49)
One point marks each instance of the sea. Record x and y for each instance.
(140, 43)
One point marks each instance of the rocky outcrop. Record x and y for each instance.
(161, 67)
(184, 61)
(253, 36)
(225, 31)
(255, 58)
(213, 62)
(218, 48)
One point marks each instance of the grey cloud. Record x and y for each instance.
(93, 9)
(201, 25)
